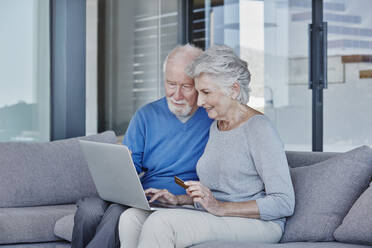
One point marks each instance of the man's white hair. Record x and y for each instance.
(222, 64)
(186, 52)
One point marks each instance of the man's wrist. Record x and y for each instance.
(179, 200)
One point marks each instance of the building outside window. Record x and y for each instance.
(272, 36)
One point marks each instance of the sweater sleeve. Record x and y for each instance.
(134, 139)
(271, 164)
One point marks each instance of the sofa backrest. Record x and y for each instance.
(299, 159)
(35, 174)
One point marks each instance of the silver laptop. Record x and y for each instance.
(115, 176)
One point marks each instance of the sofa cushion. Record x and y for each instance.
(286, 245)
(324, 194)
(64, 227)
(37, 174)
(357, 224)
(31, 224)
(300, 159)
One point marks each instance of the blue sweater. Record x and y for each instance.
(165, 146)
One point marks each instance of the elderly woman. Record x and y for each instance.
(245, 187)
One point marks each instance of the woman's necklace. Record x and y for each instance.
(244, 114)
(223, 125)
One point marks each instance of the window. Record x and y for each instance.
(272, 36)
(24, 70)
(263, 34)
(134, 39)
(348, 99)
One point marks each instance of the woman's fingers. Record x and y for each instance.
(197, 193)
(191, 183)
(198, 190)
(193, 188)
(195, 185)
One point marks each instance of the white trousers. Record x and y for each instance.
(183, 228)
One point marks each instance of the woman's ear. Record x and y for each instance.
(235, 90)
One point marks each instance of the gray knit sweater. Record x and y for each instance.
(249, 163)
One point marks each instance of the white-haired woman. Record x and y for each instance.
(245, 186)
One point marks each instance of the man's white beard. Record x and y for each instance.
(179, 111)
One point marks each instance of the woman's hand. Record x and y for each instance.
(162, 195)
(202, 195)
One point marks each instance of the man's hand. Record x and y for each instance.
(202, 195)
(162, 195)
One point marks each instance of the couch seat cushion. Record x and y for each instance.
(325, 193)
(39, 245)
(357, 225)
(31, 224)
(64, 227)
(285, 245)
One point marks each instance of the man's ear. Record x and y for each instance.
(235, 90)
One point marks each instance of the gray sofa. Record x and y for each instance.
(40, 182)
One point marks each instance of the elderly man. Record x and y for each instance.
(166, 138)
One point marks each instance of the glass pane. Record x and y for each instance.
(137, 37)
(272, 36)
(24, 70)
(348, 99)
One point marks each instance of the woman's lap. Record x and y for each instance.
(182, 228)
(130, 226)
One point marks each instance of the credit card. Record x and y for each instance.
(180, 182)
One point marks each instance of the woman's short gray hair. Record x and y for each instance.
(221, 63)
